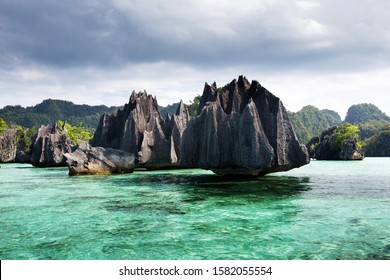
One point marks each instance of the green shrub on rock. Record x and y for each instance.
(3, 126)
(342, 133)
(74, 133)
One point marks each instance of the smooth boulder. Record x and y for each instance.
(87, 160)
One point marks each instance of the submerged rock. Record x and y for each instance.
(139, 129)
(241, 130)
(50, 146)
(87, 160)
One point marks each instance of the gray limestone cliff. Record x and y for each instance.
(139, 129)
(15, 145)
(241, 129)
(8, 145)
(50, 146)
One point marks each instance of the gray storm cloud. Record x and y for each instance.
(270, 33)
(98, 39)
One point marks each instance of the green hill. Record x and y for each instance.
(378, 145)
(50, 110)
(370, 119)
(310, 122)
(363, 113)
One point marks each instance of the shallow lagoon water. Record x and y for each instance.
(325, 210)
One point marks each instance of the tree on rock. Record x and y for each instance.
(74, 133)
(342, 133)
(3, 126)
(337, 143)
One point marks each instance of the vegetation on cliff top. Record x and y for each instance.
(74, 133)
(3, 125)
(342, 133)
(193, 107)
(337, 143)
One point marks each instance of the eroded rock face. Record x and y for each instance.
(50, 146)
(8, 145)
(87, 160)
(241, 130)
(15, 145)
(160, 147)
(139, 129)
(351, 151)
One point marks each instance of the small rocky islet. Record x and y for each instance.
(323, 148)
(240, 129)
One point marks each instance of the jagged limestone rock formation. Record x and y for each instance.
(8, 145)
(139, 129)
(87, 160)
(15, 145)
(50, 146)
(156, 150)
(351, 151)
(241, 130)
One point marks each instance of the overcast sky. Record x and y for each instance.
(331, 54)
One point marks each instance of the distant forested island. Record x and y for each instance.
(52, 110)
(372, 126)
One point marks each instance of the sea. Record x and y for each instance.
(327, 210)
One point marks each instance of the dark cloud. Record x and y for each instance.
(276, 34)
(65, 33)
(114, 46)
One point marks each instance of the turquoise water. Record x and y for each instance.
(325, 210)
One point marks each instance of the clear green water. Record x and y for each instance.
(325, 210)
